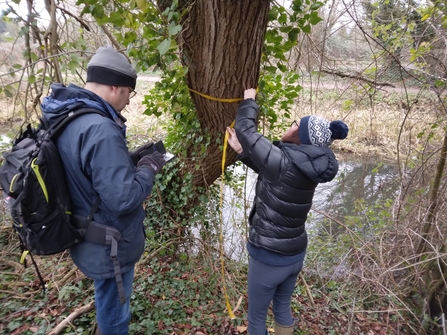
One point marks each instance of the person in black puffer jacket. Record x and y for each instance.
(288, 173)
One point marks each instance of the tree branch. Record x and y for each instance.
(356, 77)
(77, 312)
(111, 38)
(82, 23)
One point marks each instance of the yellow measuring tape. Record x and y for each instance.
(215, 99)
(222, 186)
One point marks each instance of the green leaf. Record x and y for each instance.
(296, 5)
(163, 47)
(315, 6)
(73, 66)
(142, 4)
(98, 12)
(280, 55)
(32, 79)
(116, 18)
(17, 66)
(314, 18)
(282, 18)
(439, 83)
(271, 69)
(282, 67)
(273, 14)
(8, 92)
(425, 17)
(174, 29)
(34, 57)
(289, 45)
(285, 29)
(306, 29)
(13, 325)
(293, 34)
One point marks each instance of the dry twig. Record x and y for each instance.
(77, 312)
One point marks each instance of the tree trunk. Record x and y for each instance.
(221, 45)
(437, 269)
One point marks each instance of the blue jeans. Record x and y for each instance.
(113, 318)
(268, 283)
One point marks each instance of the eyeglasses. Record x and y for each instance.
(295, 123)
(132, 92)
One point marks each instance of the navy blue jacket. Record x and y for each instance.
(288, 176)
(97, 162)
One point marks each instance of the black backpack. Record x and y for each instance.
(33, 177)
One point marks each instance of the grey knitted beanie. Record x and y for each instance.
(109, 67)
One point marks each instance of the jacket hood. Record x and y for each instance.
(316, 163)
(64, 99)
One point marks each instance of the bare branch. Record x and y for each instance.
(357, 77)
(77, 312)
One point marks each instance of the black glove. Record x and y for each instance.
(135, 155)
(153, 161)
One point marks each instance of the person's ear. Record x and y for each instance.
(291, 136)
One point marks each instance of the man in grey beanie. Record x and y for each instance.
(288, 173)
(101, 173)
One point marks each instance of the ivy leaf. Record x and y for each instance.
(13, 325)
(314, 18)
(163, 47)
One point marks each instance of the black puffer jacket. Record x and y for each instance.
(288, 176)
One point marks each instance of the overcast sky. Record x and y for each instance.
(23, 10)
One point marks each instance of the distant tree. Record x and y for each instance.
(390, 19)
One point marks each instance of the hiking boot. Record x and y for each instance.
(281, 330)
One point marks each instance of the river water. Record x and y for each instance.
(359, 179)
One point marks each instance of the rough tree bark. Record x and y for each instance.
(221, 44)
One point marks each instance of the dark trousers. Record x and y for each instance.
(267, 283)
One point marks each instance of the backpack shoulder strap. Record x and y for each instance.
(61, 122)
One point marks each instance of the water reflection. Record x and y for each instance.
(357, 179)
(368, 180)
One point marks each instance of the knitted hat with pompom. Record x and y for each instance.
(315, 130)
